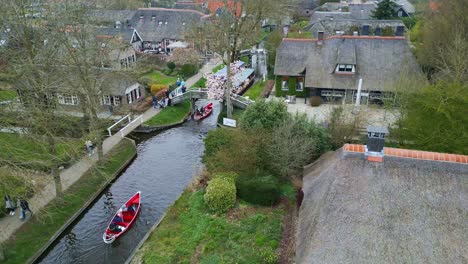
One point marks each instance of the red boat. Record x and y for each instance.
(207, 109)
(123, 219)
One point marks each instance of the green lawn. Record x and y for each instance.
(161, 78)
(170, 115)
(6, 95)
(254, 91)
(191, 234)
(217, 68)
(200, 83)
(36, 232)
(34, 154)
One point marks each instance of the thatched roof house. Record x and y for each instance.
(338, 62)
(403, 210)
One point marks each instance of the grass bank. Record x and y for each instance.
(34, 234)
(34, 153)
(170, 115)
(160, 78)
(191, 234)
(6, 95)
(255, 90)
(236, 114)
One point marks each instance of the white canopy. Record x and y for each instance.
(178, 44)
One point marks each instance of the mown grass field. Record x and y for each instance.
(161, 78)
(34, 234)
(254, 91)
(191, 234)
(170, 115)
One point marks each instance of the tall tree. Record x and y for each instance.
(235, 27)
(386, 9)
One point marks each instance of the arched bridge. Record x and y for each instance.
(237, 100)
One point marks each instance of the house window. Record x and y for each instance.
(284, 85)
(400, 13)
(160, 22)
(116, 100)
(106, 100)
(67, 99)
(345, 68)
(300, 84)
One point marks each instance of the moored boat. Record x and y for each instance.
(123, 219)
(207, 110)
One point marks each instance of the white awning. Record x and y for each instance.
(178, 44)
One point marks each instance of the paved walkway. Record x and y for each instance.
(9, 224)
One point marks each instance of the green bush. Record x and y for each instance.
(264, 115)
(188, 70)
(262, 190)
(230, 176)
(171, 65)
(217, 140)
(220, 195)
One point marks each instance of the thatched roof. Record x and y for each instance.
(331, 26)
(379, 61)
(399, 211)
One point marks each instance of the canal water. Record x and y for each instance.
(165, 164)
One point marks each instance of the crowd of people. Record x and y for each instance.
(166, 100)
(11, 206)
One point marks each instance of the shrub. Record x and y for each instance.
(171, 65)
(264, 115)
(262, 190)
(188, 70)
(388, 31)
(155, 88)
(220, 195)
(229, 176)
(217, 140)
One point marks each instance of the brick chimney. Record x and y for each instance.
(374, 148)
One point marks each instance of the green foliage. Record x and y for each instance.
(385, 10)
(171, 65)
(189, 234)
(291, 88)
(271, 44)
(14, 186)
(261, 190)
(6, 95)
(254, 91)
(409, 22)
(435, 118)
(200, 83)
(159, 78)
(342, 128)
(229, 176)
(388, 31)
(188, 70)
(170, 115)
(264, 115)
(220, 194)
(216, 140)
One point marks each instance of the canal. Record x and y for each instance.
(165, 164)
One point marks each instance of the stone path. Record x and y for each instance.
(9, 224)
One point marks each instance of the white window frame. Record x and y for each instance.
(116, 100)
(67, 99)
(345, 68)
(284, 85)
(106, 100)
(300, 85)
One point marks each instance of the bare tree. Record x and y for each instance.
(236, 27)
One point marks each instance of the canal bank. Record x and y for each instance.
(47, 223)
(165, 164)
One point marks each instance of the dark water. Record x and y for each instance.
(165, 164)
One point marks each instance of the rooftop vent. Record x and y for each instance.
(374, 149)
(355, 33)
(378, 31)
(320, 36)
(142, 16)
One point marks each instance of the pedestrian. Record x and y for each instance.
(184, 89)
(24, 208)
(155, 101)
(182, 83)
(9, 206)
(178, 82)
(89, 147)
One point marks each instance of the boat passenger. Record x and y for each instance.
(115, 228)
(117, 219)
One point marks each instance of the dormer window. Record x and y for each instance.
(345, 68)
(165, 23)
(160, 22)
(183, 23)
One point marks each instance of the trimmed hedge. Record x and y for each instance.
(261, 190)
(220, 195)
(292, 87)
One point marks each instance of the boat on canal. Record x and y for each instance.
(207, 110)
(123, 219)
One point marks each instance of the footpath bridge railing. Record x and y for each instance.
(237, 100)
